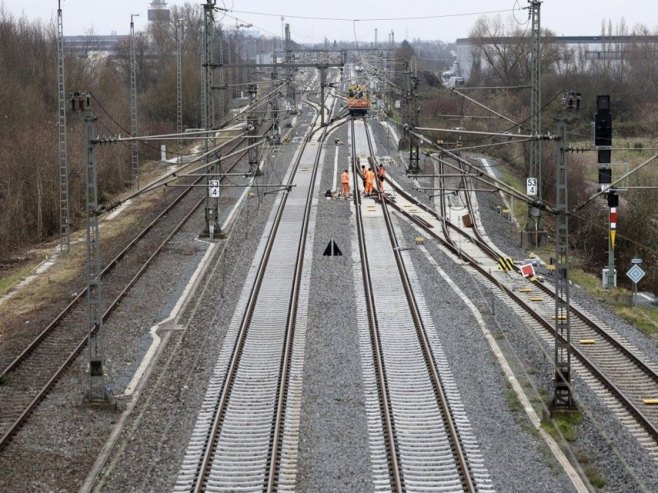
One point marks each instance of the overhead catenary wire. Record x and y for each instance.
(373, 19)
(173, 176)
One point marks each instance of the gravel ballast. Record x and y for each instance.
(59, 447)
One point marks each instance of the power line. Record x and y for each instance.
(373, 19)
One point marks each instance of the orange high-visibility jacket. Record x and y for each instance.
(345, 177)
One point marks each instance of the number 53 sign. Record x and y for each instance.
(531, 186)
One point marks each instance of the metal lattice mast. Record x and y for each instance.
(65, 240)
(222, 74)
(562, 397)
(80, 103)
(133, 105)
(203, 103)
(252, 120)
(179, 88)
(535, 221)
(212, 201)
(323, 84)
(290, 87)
(412, 116)
(209, 18)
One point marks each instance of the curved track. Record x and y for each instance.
(611, 363)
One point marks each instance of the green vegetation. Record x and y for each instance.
(513, 401)
(563, 425)
(15, 275)
(645, 318)
(594, 476)
(591, 472)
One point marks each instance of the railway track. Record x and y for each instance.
(426, 440)
(29, 377)
(245, 437)
(613, 367)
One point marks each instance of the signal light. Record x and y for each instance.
(604, 156)
(603, 129)
(613, 199)
(603, 122)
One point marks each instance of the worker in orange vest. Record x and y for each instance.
(370, 181)
(345, 181)
(381, 174)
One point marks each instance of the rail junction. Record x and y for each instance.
(321, 345)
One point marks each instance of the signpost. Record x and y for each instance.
(213, 189)
(635, 274)
(531, 186)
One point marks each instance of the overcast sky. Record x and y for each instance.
(312, 20)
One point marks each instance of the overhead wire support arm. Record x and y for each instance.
(176, 175)
(491, 134)
(485, 107)
(612, 185)
(487, 180)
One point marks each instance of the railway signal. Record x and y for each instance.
(603, 143)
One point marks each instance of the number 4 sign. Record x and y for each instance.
(213, 189)
(531, 186)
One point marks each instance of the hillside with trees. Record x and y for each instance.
(500, 80)
(29, 190)
(29, 185)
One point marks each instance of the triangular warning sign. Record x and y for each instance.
(332, 249)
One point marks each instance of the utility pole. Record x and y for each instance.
(80, 103)
(252, 121)
(179, 88)
(212, 201)
(323, 84)
(290, 86)
(412, 115)
(535, 234)
(133, 106)
(223, 84)
(65, 240)
(562, 396)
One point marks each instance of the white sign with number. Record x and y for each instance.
(531, 186)
(213, 189)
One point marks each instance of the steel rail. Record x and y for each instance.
(13, 429)
(619, 394)
(395, 469)
(40, 395)
(279, 417)
(106, 270)
(219, 412)
(437, 383)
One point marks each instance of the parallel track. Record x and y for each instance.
(612, 362)
(31, 375)
(238, 441)
(424, 425)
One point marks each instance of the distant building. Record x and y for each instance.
(158, 11)
(85, 46)
(453, 77)
(592, 49)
